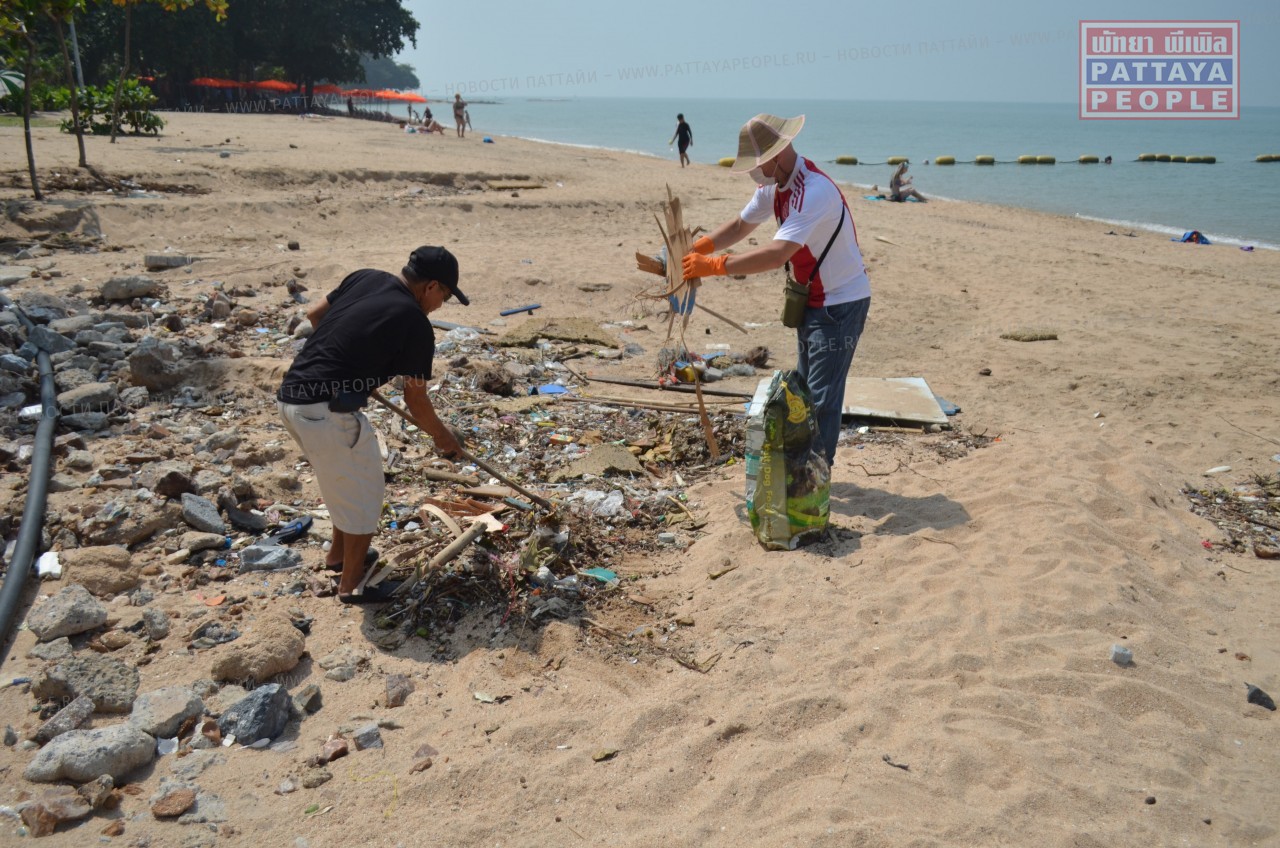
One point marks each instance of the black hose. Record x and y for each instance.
(24, 552)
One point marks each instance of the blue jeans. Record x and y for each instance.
(826, 342)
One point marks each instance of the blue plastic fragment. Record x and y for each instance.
(947, 406)
(529, 307)
(604, 575)
(548, 389)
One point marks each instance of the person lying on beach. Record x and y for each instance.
(900, 188)
(429, 123)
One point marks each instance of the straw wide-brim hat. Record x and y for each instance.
(764, 137)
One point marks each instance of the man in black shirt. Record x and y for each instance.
(373, 327)
(684, 133)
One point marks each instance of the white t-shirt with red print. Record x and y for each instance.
(807, 209)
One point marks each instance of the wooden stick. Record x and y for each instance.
(728, 321)
(450, 553)
(449, 477)
(467, 455)
(706, 425)
(618, 381)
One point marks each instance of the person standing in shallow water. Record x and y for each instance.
(683, 134)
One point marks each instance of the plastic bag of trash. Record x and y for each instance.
(792, 493)
(606, 505)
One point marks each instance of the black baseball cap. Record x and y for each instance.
(435, 263)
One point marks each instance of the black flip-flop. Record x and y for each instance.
(370, 560)
(379, 594)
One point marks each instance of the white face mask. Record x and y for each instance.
(757, 174)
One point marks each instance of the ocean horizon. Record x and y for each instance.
(1233, 201)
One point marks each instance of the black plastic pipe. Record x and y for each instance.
(26, 548)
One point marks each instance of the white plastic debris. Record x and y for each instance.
(166, 746)
(48, 566)
(1218, 469)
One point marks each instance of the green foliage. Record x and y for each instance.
(136, 117)
(385, 72)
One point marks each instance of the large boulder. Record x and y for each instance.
(71, 611)
(102, 569)
(270, 646)
(84, 755)
(110, 683)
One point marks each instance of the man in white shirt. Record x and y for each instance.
(816, 235)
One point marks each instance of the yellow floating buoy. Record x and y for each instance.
(984, 160)
(1045, 160)
(727, 162)
(897, 160)
(1026, 160)
(945, 160)
(1163, 157)
(1194, 160)
(1146, 157)
(1268, 157)
(1177, 158)
(1088, 159)
(1207, 160)
(846, 160)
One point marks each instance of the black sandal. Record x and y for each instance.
(379, 594)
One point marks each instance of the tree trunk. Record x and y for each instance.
(26, 117)
(124, 69)
(75, 93)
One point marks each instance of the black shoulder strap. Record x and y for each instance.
(825, 250)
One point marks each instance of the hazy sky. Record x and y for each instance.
(899, 50)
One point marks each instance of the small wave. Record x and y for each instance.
(1177, 232)
(589, 146)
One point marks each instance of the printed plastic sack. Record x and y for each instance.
(792, 494)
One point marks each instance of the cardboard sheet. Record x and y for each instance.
(902, 399)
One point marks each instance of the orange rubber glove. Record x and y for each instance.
(696, 266)
(704, 245)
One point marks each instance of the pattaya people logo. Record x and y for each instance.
(1160, 69)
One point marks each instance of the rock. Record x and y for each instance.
(202, 514)
(79, 460)
(71, 611)
(54, 806)
(303, 330)
(127, 288)
(334, 748)
(157, 624)
(88, 421)
(97, 792)
(246, 317)
(158, 366)
(84, 755)
(315, 777)
(119, 523)
(196, 541)
(173, 803)
(65, 720)
(308, 700)
(135, 397)
(54, 649)
(268, 558)
(11, 274)
(114, 640)
(161, 261)
(261, 715)
(169, 479)
(399, 688)
(47, 340)
(101, 569)
(90, 397)
(344, 655)
(161, 713)
(270, 646)
(10, 736)
(110, 683)
(368, 736)
(340, 674)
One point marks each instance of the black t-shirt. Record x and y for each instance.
(684, 134)
(374, 330)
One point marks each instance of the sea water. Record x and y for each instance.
(1236, 200)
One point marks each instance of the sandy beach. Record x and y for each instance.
(958, 628)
